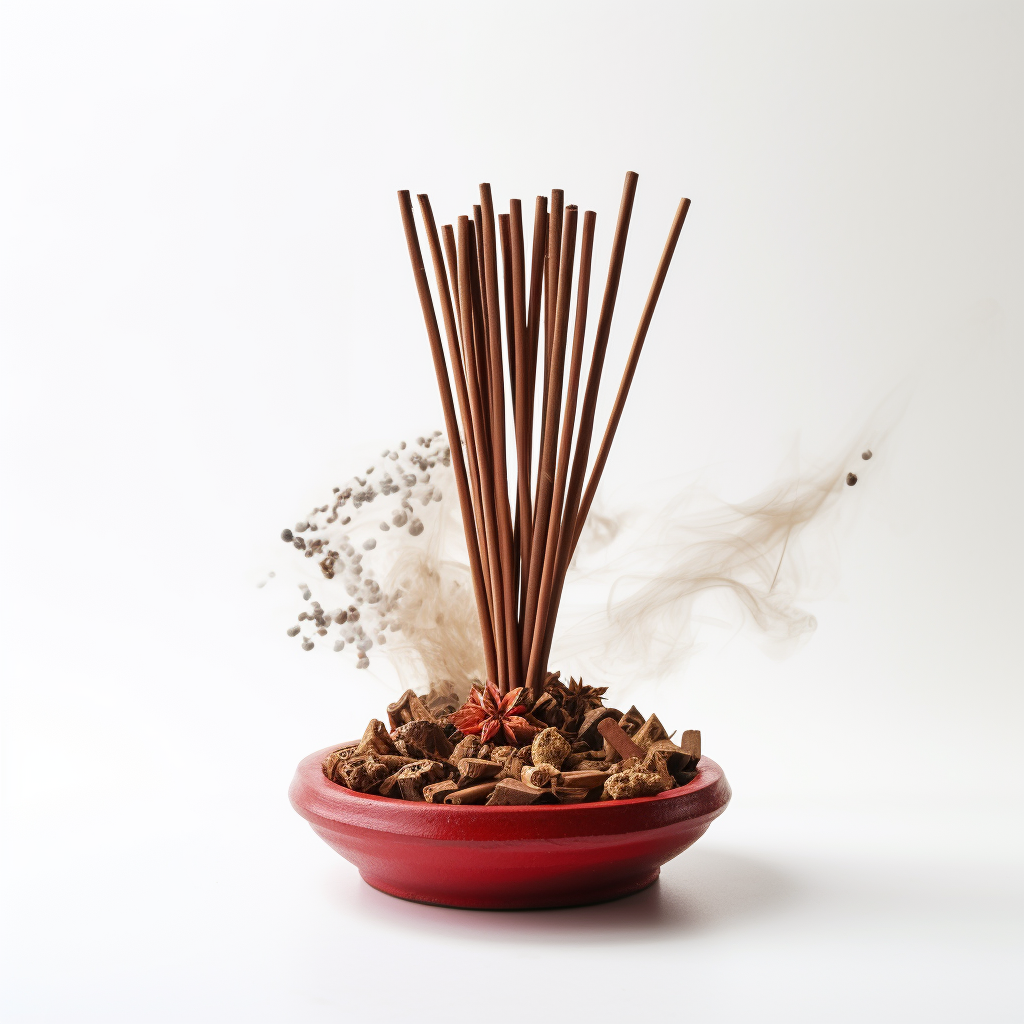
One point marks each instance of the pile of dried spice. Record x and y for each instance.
(564, 747)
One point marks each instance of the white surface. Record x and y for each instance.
(206, 308)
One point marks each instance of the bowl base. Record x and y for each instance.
(546, 901)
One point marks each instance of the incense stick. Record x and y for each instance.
(631, 364)
(534, 669)
(549, 433)
(447, 405)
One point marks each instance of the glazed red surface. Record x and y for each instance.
(508, 857)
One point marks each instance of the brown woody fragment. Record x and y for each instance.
(510, 793)
(473, 795)
(408, 708)
(584, 780)
(570, 794)
(423, 738)
(468, 746)
(376, 740)
(437, 791)
(472, 768)
(651, 731)
(614, 734)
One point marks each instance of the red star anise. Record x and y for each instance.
(487, 713)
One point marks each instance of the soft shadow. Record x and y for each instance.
(701, 891)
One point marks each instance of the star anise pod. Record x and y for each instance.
(487, 713)
(579, 699)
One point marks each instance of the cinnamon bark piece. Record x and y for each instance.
(570, 794)
(510, 793)
(472, 795)
(651, 731)
(408, 708)
(613, 733)
(472, 768)
(540, 776)
(423, 739)
(376, 740)
(437, 791)
(583, 780)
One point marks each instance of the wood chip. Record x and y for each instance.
(509, 792)
(690, 742)
(473, 795)
(468, 746)
(472, 768)
(590, 726)
(408, 708)
(649, 732)
(376, 740)
(631, 721)
(437, 791)
(570, 794)
(423, 739)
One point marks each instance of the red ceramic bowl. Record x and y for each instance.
(500, 858)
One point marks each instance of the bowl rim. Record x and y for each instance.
(327, 805)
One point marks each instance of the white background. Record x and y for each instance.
(207, 308)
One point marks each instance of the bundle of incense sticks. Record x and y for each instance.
(519, 551)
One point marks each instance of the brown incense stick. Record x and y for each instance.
(551, 262)
(462, 393)
(534, 671)
(549, 434)
(520, 344)
(631, 364)
(501, 500)
(451, 254)
(447, 405)
(470, 315)
(505, 233)
(586, 427)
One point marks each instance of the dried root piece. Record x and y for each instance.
(502, 754)
(550, 747)
(512, 768)
(632, 784)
